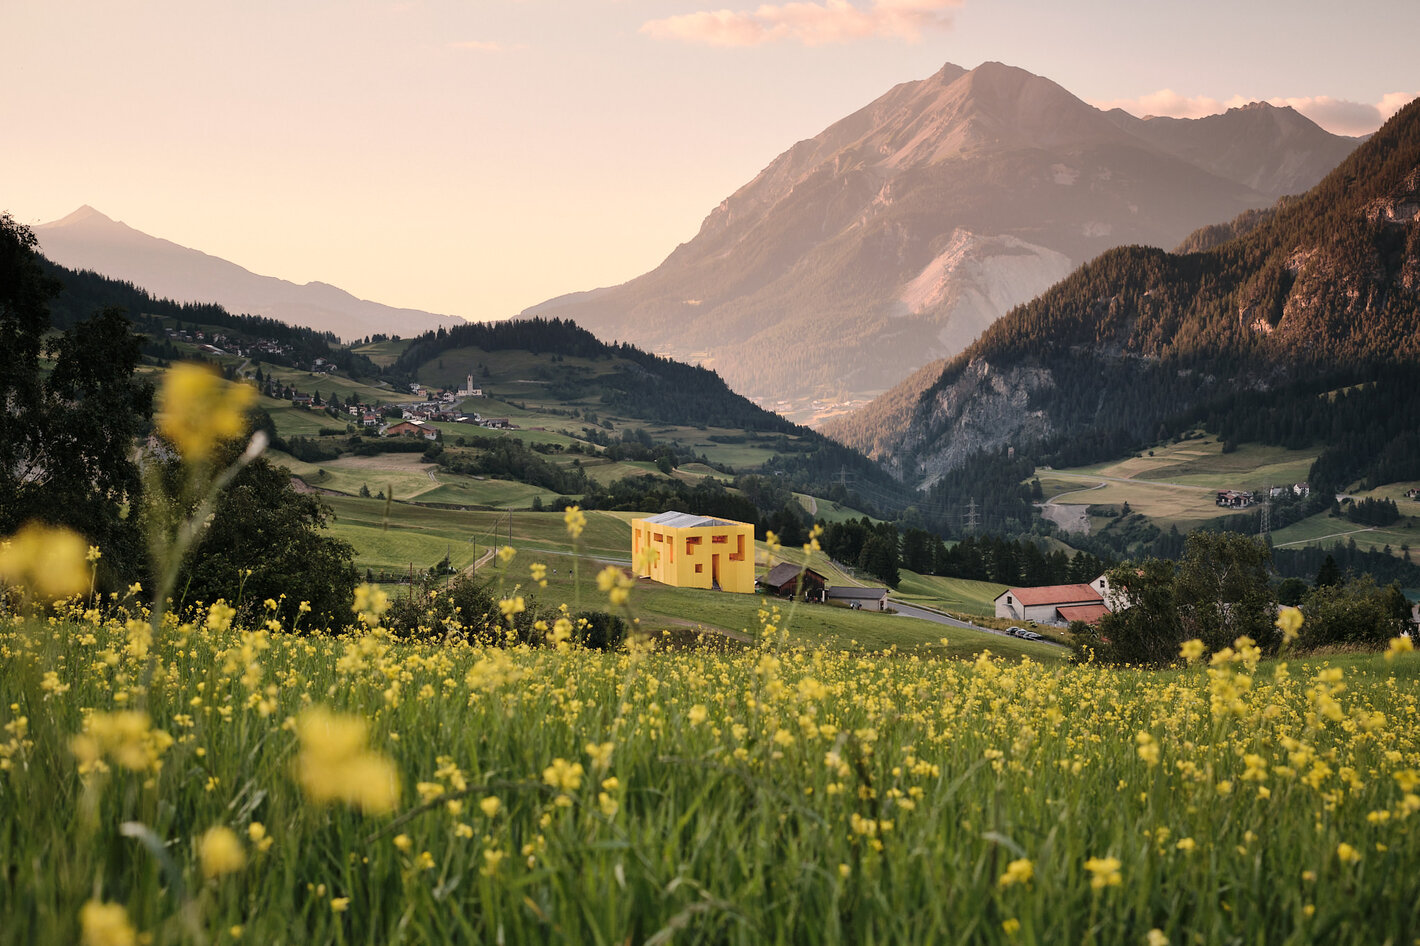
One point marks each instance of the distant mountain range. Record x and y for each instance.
(86, 239)
(1324, 285)
(901, 232)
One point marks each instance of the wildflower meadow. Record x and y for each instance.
(171, 776)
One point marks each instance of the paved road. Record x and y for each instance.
(926, 614)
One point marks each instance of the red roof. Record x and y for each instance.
(1089, 613)
(1055, 594)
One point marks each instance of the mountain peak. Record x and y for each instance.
(84, 214)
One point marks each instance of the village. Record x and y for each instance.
(407, 418)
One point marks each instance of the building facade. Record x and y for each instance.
(687, 551)
(1054, 604)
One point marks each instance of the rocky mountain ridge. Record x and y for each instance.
(1328, 282)
(902, 231)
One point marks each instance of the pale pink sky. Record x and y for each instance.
(479, 156)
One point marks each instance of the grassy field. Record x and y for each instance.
(1323, 529)
(958, 595)
(211, 785)
(1178, 484)
(417, 537)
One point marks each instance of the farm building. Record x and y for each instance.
(783, 580)
(862, 599)
(688, 551)
(416, 428)
(1053, 604)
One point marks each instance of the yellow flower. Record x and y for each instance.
(512, 606)
(1017, 872)
(1156, 937)
(197, 410)
(127, 736)
(219, 616)
(1191, 650)
(1104, 872)
(575, 520)
(1011, 926)
(339, 904)
(615, 583)
(600, 754)
(1148, 749)
(1399, 645)
(256, 831)
(1290, 621)
(506, 553)
(219, 852)
(697, 714)
(562, 775)
(1186, 844)
(370, 603)
(335, 765)
(1347, 854)
(105, 924)
(50, 561)
(490, 805)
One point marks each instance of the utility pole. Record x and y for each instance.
(971, 517)
(1266, 519)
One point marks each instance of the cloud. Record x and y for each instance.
(1338, 116)
(1343, 117)
(809, 22)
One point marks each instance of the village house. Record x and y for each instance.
(859, 599)
(416, 428)
(1055, 604)
(370, 419)
(689, 551)
(1234, 498)
(784, 580)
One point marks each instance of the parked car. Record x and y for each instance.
(1017, 631)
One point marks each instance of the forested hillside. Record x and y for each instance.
(1324, 288)
(660, 390)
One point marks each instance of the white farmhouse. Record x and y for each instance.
(1052, 604)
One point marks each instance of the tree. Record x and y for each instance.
(1223, 590)
(1353, 612)
(268, 541)
(66, 439)
(1147, 632)
(1328, 575)
(1292, 591)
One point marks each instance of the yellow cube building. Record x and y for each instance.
(687, 551)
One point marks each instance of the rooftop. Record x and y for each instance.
(685, 520)
(1054, 594)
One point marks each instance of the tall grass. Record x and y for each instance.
(769, 795)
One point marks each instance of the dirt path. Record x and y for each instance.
(1070, 517)
(479, 562)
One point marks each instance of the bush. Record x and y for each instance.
(600, 630)
(1354, 612)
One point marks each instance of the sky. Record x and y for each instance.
(476, 157)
